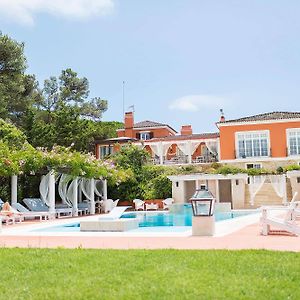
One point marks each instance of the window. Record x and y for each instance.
(253, 166)
(106, 150)
(293, 136)
(144, 136)
(252, 144)
(298, 179)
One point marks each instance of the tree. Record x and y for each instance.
(69, 91)
(17, 90)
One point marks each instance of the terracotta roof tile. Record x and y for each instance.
(276, 115)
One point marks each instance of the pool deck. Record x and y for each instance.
(245, 238)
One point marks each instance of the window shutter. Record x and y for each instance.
(138, 136)
(151, 135)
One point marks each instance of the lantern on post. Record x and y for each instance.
(203, 204)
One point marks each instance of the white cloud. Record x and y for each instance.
(193, 103)
(24, 11)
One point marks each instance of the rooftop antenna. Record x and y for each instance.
(123, 98)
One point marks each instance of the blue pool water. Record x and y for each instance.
(169, 219)
(178, 217)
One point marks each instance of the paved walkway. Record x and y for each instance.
(246, 238)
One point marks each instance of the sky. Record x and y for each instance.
(181, 60)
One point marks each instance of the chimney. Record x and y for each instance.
(186, 130)
(222, 117)
(128, 120)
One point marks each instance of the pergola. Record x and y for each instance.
(70, 190)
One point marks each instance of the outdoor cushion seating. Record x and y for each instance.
(36, 204)
(167, 203)
(27, 214)
(139, 204)
(84, 207)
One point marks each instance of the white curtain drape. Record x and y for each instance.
(44, 188)
(194, 146)
(85, 187)
(155, 148)
(184, 148)
(278, 183)
(63, 183)
(165, 148)
(70, 192)
(99, 188)
(212, 146)
(255, 184)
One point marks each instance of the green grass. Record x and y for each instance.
(148, 274)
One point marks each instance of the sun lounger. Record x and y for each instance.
(27, 214)
(286, 223)
(36, 204)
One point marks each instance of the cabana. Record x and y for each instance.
(236, 190)
(70, 189)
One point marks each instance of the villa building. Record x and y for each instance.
(163, 143)
(266, 141)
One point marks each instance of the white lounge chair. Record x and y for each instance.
(151, 206)
(287, 223)
(167, 203)
(36, 204)
(110, 204)
(139, 204)
(27, 214)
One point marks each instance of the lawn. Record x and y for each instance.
(148, 274)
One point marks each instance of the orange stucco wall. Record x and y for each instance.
(278, 137)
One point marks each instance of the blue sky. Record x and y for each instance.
(181, 60)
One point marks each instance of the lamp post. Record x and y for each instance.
(203, 204)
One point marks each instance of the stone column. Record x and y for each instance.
(92, 195)
(51, 193)
(160, 151)
(104, 189)
(217, 191)
(75, 196)
(14, 189)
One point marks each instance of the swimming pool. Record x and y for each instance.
(176, 219)
(180, 216)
